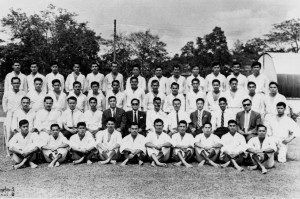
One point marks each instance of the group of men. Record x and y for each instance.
(93, 117)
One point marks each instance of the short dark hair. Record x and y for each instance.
(273, 83)
(56, 81)
(249, 83)
(281, 104)
(48, 98)
(12, 79)
(115, 81)
(256, 63)
(196, 79)
(93, 98)
(132, 78)
(156, 98)
(216, 80)
(174, 83)
(261, 125)
(154, 81)
(25, 97)
(176, 99)
(95, 83)
(53, 63)
(232, 121)
(222, 99)
(23, 122)
(156, 67)
(182, 122)
(158, 120)
(134, 124)
(200, 99)
(196, 66)
(54, 125)
(76, 82)
(81, 124)
(207, 123)
(215, 64)
(236, 63)
(134, 100)
(37, 79)
(247, 99)
(136, 66)
(112, 97)
(111, 119)
(176, 66)
(232, 80)
(72, 98)
(114, 62)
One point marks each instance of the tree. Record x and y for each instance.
(51, 35)
(286, 33)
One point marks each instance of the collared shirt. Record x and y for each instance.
(86, 142)
(148, 101)
(156, 139)
(71, 79)
(136, 144)
(181, 81)
(235, 100)
(115, 138)
(207, 141)
(91, 77)
(141, 84)
(168, 104)
(19, 115)
(255, 144)
(12, 101)
(59, 104)
(247, 119)
(44, 119)
(258, 103)
(233, 144)
(172, 118)
(280, 127)
(8, 85)
(51, 142)
(191, 98)
(209, 79)
(30, 81)
(211, 104)
(93, 119)
(271, 103)
(30, 141)
(131, 94)
(242, 81)
(81, 100)
(152, 115)
(261, 81)
(163, 84)
(50, 77)
(36, 99)
(100, 100)
(202, 86)
(186, 140)
(216, 118)
(121, 99)
(109, 78)
(70, 119)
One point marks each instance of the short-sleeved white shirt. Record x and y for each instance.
(130, 143)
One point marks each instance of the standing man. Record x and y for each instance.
(192, 95)
(81, 98)
(207, 147)
(158, 145)
(135, 116)
(154, 114)
(96, 93)
(94, 76)
(133, 146)
(212, 97)
(108, 143)
(75, 76)
(195, 75)
(154, 92)
(215, 75)
(262, 150)
(54, 75)
(234, 145)
(134, 92)
(121, 103)
(37, 95)
(114, 75)
(183, 144)
(58, 96)
(35, 74)
(93, 117)
(247, 120)
(163, 81)
(236, 73)
(261, 81)
(136, 73)
(199, 117)
(177, 78)
(15, 73)
(168, 105)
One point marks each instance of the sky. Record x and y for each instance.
(175, 21)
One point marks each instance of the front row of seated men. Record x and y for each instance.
(108, 146)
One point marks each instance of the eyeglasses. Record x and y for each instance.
(246, 104)
(134, 104)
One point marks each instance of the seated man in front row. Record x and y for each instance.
(233, 148)
(56, 147)
(108, 143)
(133, 146)
(207, 146)
(158, 145)
(183, 144)
(24, 146)
(262, 149)
(83, 146)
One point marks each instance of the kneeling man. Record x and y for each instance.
(234, 145)
(183, 144)
(158, 145)
(133, 146)
(83, 145)
(24, 146)
(207, 146)
(56, 146)
(108, 143)
(262, 149)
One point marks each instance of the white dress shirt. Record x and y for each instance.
(36, 99)
(81, 100)
(148, 101)
(136, 144)
(93, 119)
(141, 84)
(181, 81)
(102, 138)
(100, 100)
(131, 94)
(50, 77)
(51, 142)
(44, 119)
(121, 99)
(152, 115)
(233, 144)
(59, 103)
(91, 77)
(216, 118)
(191, 98)
(12, 101)
(242, 81)
(168, 104)
(209, 79)
(261, 81)
(71, 120)
(27, 143)
(19, 115)
(109, 79)
(163, 84)
(156, 139)
(86, 142)
(30, 81)
(202, 86)
(172, 118)
(271, 103)
(268, 143)
(71, 79)
(207, 141)
(9, 76)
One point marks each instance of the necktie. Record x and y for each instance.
(222, 119)
(177, 118)
(199, 119)
(135, 117)
(72, 118)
